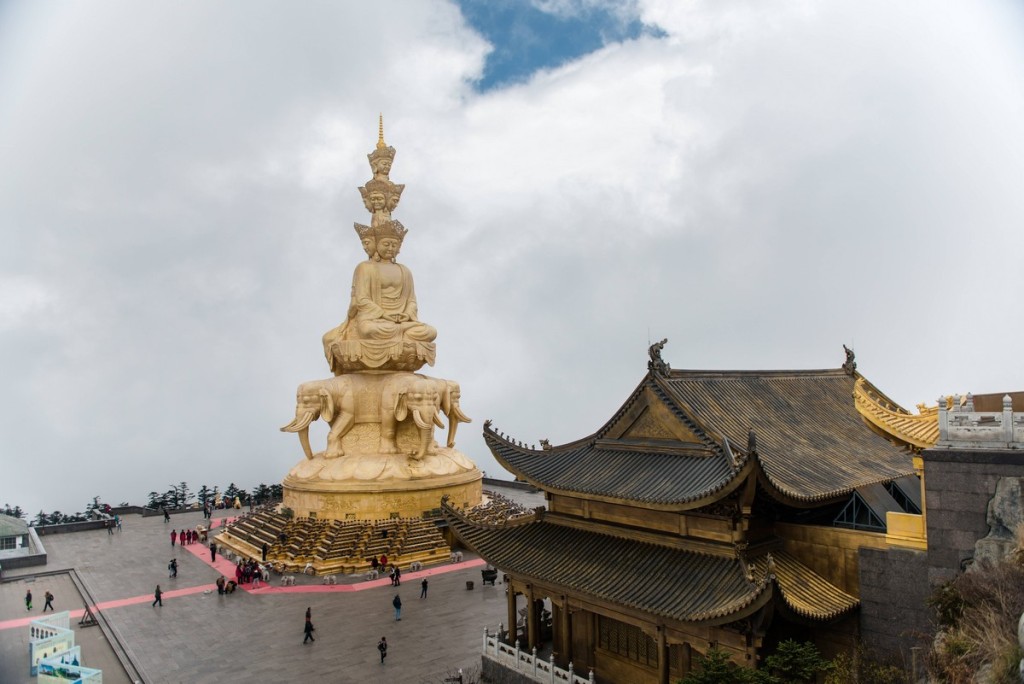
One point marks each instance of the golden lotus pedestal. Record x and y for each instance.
(369, 485)
(376, 500)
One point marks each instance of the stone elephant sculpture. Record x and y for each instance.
(331, 399)
(452, 409)
(405, 394)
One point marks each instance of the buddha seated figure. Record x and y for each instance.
(382, 331)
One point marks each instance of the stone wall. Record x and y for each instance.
(895, 584)
(960, 483)
(496, 673)
(893, 611)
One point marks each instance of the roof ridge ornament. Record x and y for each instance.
(850, 366)
(657, 364)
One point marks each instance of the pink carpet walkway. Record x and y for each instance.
(227, 568)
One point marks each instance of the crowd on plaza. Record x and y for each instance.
(184, 537)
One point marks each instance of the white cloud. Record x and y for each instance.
(178, 183)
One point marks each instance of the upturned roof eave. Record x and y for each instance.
(721, 489)
(742, 606)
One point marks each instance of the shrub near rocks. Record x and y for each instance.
(977, 614)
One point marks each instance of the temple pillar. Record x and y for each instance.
(532, 618)
(565, 627)
(512, 632)
(685, 658)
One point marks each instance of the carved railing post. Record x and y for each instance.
(517, 656)
(551, 668)
(591, 675)
(571, 675)
(943, 420)
(534, 661)
(1007, 418)
(485, 638)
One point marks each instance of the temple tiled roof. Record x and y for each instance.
(805, 592)
(592, 468)
(812, 443)
(669, 582)
(674, 583)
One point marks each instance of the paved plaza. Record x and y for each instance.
(249, 636)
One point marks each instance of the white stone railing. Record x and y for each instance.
(963, 426)
(527, 663)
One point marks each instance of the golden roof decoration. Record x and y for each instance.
(919, 430)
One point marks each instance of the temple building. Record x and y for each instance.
(714, 509)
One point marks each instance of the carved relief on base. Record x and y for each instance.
(381, 467)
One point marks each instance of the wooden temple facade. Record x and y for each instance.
(714, 509)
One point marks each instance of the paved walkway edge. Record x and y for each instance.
(124, 654)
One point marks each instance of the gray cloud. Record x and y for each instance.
(177, 186)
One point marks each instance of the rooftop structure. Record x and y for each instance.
(718, 508)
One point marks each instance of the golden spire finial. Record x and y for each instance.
(380, 133)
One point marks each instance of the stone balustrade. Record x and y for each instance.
(963, 427)
(527, 664)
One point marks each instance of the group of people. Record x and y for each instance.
(381, 565)
(247, 571)
(47, 595)
(226, 586)
(184, 537)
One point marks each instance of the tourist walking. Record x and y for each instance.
(158, 597)
(423, 588)
(172, 567)
(28, 599)
(264, 549)
(382, 646)
(167, 516)
(309, 631)
(398, 576)
(397, 603)
(181, 538)
(213, 551)
(174, 538)
(49, 601)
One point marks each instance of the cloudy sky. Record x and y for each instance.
(758, 183)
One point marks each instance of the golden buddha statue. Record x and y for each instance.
(382, 330)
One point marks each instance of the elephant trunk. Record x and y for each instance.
(304, 440)
(425, 438)
(454, 418)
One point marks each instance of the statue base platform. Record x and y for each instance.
(378, 486)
